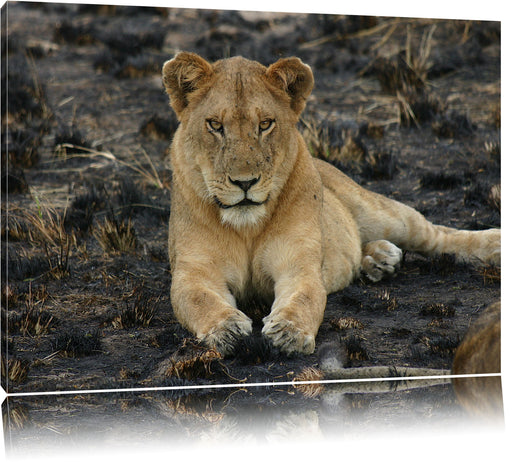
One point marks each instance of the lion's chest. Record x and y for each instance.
(246, 279)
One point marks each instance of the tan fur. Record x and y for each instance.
(480, 353)
(303, 230)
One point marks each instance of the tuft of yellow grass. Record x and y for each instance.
(114, 236)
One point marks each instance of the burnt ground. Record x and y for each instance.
(408, 107)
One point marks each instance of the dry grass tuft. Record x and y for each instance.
(188, 407)
(309, 374)
(417, 107)
(495, 197)
(17, 417)
(14, 229)
(69, 141)
(115, 236)
(332, 143)
(441, 345)
(491, 274)
(9, 295)
(396, 74)
(438, 310)
(355, 348)
(14, 371)
(495, 117)
(344, 323)
(47, 230)
(140, 313)
(127, 374)
(23, 147)
(18, 370)
(191, 362)
(34, 321)
(390, 302)
(408, 70)
(353, 150)
(493, 150)
(406, 76)
(317, 139)
(26, 97)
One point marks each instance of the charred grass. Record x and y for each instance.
(345, 147)
(77, 342)
(140, 310)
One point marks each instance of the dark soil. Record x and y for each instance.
(85, 186)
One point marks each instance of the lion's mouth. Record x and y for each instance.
(243, 203)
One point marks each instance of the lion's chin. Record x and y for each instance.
(243, 216)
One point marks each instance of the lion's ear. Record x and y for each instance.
(295, 78)
(182, 75)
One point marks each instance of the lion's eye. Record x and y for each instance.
(266, 124)
(215, 125)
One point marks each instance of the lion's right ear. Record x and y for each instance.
(182, 75)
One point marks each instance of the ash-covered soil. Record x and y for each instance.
(408, 107)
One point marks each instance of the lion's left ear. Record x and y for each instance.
(295, 78)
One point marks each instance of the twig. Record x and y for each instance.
(151, 176)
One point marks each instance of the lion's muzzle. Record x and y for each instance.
(244, 194)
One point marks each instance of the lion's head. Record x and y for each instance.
(237, 141)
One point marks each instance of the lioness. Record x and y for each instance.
(253, 214)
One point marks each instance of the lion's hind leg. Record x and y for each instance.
(380, 258)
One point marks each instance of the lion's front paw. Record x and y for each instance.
(225, 335)
(286, 336)
(380, 258)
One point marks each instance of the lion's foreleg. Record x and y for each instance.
(296, 314)
(203, 304)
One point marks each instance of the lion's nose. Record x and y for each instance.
(244, 185)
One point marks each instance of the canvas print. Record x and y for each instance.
(195, 198)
